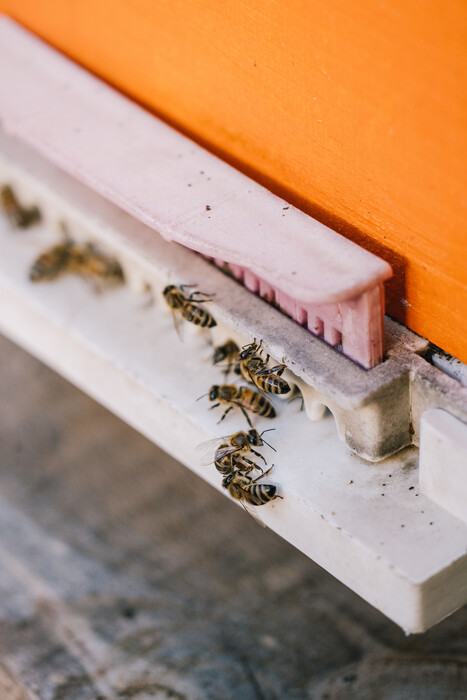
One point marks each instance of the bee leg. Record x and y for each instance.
(246, 416)
(297, 394)
(263, 474)
(202, 294)
(224, 414)
(258, 455)
(197, 301)
(278, 369)
(214, 406)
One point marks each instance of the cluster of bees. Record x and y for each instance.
(68, 256)
(233, 455)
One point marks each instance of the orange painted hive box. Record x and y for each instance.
(354, 112)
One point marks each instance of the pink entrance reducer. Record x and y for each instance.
(320, 279)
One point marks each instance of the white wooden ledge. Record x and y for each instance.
(367, 524)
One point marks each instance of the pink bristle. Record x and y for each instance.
(286, 303)
(266, 292)
(251, 282)
(300, 315)
(362, 327)
(237, 271)
(315, 323)
(356, 323)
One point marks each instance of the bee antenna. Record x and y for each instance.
(202, 396)
(267, 443)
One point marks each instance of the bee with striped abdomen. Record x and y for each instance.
(220, 451)
(232, 463)
(188, 306)
(52, 262)
(82, 259)
(19, 216)
(254, 369)
(88, 260)
(243, 398)
(243, 488)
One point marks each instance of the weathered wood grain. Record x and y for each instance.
(123, 576)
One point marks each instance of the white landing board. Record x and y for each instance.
(369, 525)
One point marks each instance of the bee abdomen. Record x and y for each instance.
(260, 494)
(266, 409)
(195, 314)
(274, 385)
(223, 466)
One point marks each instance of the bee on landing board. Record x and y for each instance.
(188, 307)
(229, 353)
(254, 369)
(239, 443)
(52, 262)
(227, 453)
(243, 398)
(243, 488)
(19, 216)
(233, 463)
(82, 259)
(88, 260)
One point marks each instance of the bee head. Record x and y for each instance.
(250, 350)
(226, 480)
(247, 352)
(254, 437)
(168, 289)
(213, 392)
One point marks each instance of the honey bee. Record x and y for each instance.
(229, 451)
(243, 488)
(230, 464)
(82, 259)
(254, 369)
(229, 352)
(52, 262)
(88, 260)
(20, 217)
(188, 306)
(243, 398)
(240, 442)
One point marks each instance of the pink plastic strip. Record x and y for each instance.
(185, 193)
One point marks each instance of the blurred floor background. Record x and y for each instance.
(122, 575)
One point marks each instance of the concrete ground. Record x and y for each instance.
(123, 576)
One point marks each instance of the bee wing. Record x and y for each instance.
(251, 514)
(255, 383)
(178, 324)
(209, 450)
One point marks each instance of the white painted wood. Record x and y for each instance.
(443, 461)
(366, 524)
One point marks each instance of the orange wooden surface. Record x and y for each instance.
(353, 110)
